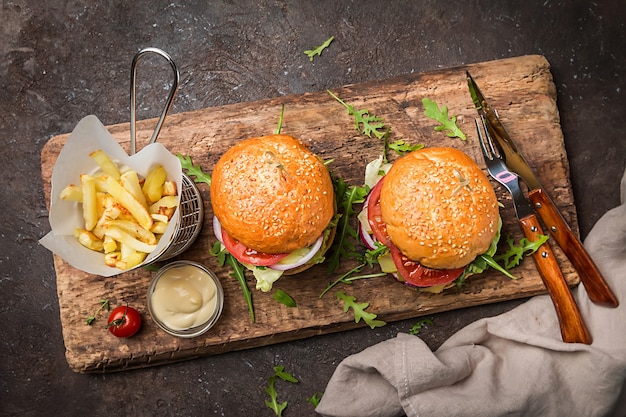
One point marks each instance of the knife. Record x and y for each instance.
(573, 328)
(597, 288)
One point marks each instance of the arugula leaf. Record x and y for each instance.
(402, 147)
(272, 403)
(485, 260)
(364, 122)
(448, 124)
(359, 310)
(104, 304)
(513, 256)
(311, 53)
(223, 258)
(347, 197)
(489, 261)
(280, 120)
(347, 277)
(369, 258)
(284, 298)
(279, 371)
(194, 170)
(417, 327)
(315, 399)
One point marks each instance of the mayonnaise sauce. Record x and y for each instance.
(184, 297)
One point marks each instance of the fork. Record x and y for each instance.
(573, 328)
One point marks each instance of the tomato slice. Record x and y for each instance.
(418, 275)
(375, 215)
(249, 256)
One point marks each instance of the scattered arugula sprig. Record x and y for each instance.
(366, 123)
(272, 403)
(316, 51)
(315, 399)
(223, 258)
(284, 298)
(417, 327)
(400, 147)
(104, 304)
(349, 301)
(448, 123)
(194, 170)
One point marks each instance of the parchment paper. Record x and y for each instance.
(65, 216)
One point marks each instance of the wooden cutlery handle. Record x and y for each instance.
(598, 290)
(573, 328)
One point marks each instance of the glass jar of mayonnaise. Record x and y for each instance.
(185, 298)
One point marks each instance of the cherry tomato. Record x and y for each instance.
(124, 321)
(418, 275)
(375, 216)
(249, 256)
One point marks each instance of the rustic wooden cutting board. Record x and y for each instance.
(520, 88)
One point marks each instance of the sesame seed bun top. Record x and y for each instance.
(272, 194)
(439, 208)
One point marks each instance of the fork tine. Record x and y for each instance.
(481, 140)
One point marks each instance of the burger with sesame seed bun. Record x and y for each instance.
(435, 211)
(274, 206)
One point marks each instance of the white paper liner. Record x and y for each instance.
(65, 216)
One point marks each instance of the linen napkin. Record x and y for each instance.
(514, 364)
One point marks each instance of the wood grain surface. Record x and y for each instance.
(520, 88)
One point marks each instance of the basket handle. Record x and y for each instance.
(133, 97)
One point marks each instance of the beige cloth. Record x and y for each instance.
(514, 364)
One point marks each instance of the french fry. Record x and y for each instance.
(130, 181)
(134, 229)
(130, 203)
(109, 244)
(111, 259)
(169, 188)
(88, 240)
(160, 217)
(72, 193)
(126, 239)
(153, 185)
(131, 260)
(169, 201)
(90, 211)
(130, 257)
(101, 183)
(158, 228)
(106, 165)
(100, 204)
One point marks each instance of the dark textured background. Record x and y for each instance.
(61, 60)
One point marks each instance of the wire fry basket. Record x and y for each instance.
(191, 208)
(190, 220)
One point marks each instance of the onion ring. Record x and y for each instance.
(306, 258)
(217, 229)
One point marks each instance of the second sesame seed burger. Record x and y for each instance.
(274, 206)
(436, 212)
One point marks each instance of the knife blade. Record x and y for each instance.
(590, 276)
